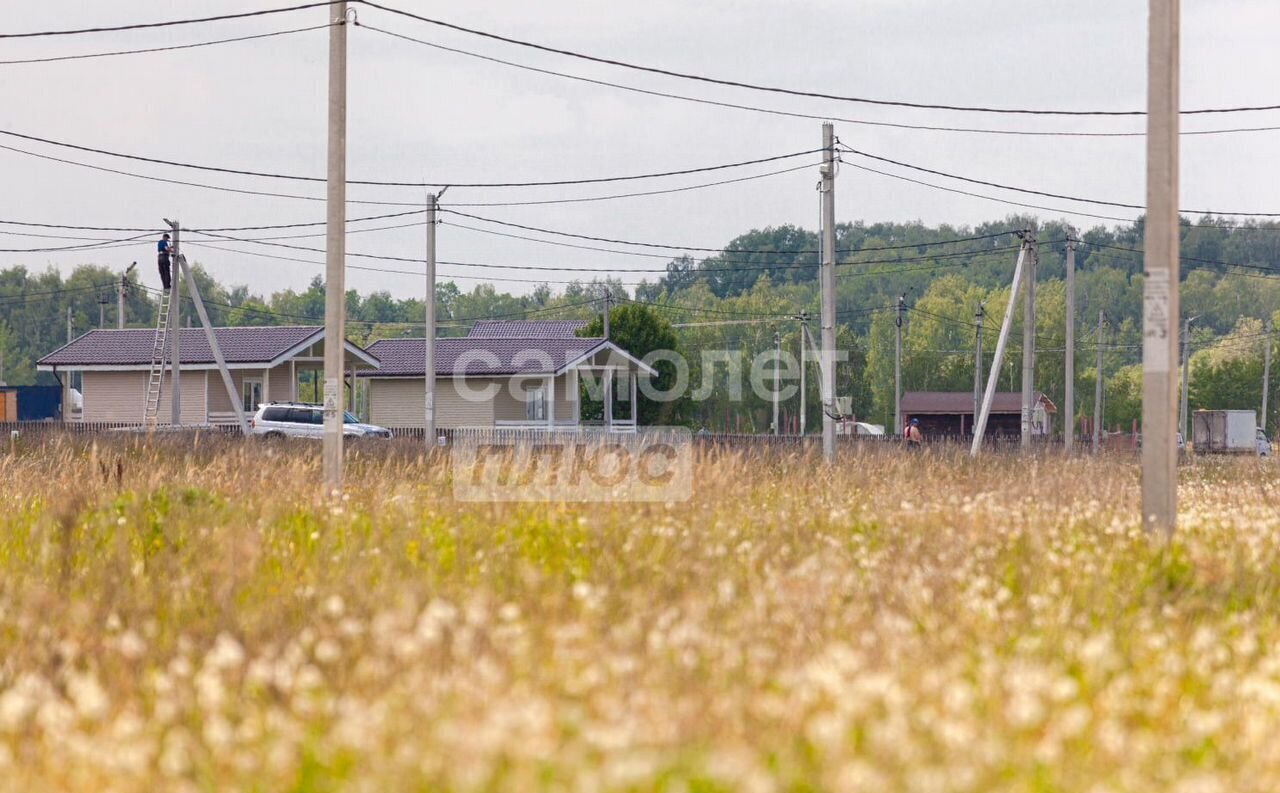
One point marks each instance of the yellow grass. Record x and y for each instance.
(198, 618)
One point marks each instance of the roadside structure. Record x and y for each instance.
(950, 413)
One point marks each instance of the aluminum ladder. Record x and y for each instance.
(155, 380)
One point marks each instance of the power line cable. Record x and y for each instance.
(379, 183)
(1061, 196)
(787, 91)
(414, 273)
(54, 58)
(365, 202)
(168, 23)
(82, 247)
(792, 114)
(704, 249)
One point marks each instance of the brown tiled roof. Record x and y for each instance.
(499, 356)
(947, 402)
(131, 347)
(526, 328)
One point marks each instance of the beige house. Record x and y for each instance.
(112, 367)
(526, 374)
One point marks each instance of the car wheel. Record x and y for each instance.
(274, 436)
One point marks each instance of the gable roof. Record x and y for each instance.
(526, 328)
(947, 402)
(482, 357)
(241, 346)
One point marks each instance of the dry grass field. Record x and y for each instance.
(199, 618)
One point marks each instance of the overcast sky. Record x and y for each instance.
(420, 114)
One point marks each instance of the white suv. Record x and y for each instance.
(300, 420)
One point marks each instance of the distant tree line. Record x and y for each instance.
(762, 280)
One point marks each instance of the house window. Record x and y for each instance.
(535, 404)
(251, 391)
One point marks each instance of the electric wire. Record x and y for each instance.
(793, 114)
(168, 23)
(787, 91)
(366, 202)
(704, 249)
(171, 48)
(381, 183)
(1030, 191)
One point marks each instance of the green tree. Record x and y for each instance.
(641, 330)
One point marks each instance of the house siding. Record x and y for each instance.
(280, 389)
(508, 406)
(400, 404)
(118, 397)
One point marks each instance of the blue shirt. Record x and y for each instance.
(162, 246)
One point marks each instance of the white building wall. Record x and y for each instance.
(118, 397)
(400, 403)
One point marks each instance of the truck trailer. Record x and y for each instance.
(1228, 432)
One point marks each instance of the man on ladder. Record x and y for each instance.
(163, 260)
(912, 435)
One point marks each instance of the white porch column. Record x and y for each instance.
(608, 397)
(575, 393)
(635, 412)
(551, 401)
(293, 381)
(266, 385)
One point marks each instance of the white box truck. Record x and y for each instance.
(1228, 432)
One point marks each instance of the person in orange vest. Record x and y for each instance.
(912, 435)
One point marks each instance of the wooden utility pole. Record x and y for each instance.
(1266, 373)
(1029, 343)
(1069, 398)
(979, 320)
(828, 282)
(429, 341)
(993, 379)
(1160, 305)
(335, 248)
(1098, 391)
(897, 368)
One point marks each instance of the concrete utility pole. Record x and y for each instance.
(828, 273)
(1266, 373)
(212, 339)
(175, 325)
(1029, 343)
(777, 362)
(1160, 304)
(1069, 398)
(429, 304)
(102, 310)
(993, 379)
(68, 324)
(1186, 377)
(1098, 391)
(604, 315)
(979, 320)
(335, 248)
(897, 368)
(804, 359)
